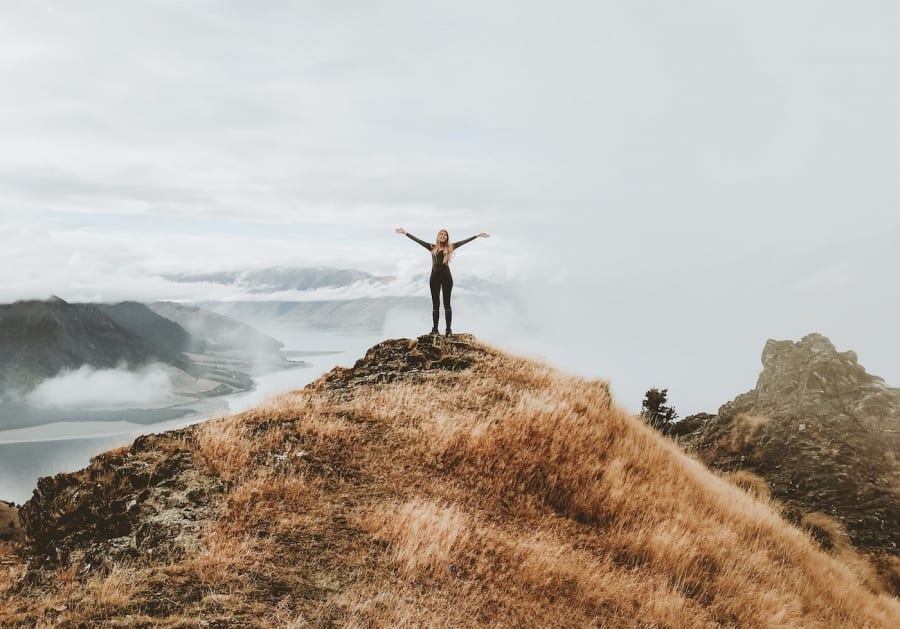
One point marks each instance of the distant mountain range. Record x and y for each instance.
(39, 339)
(352, 283)
(284, 278)
(365, 313)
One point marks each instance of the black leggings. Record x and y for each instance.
(441, 282)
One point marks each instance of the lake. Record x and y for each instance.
(27, 454)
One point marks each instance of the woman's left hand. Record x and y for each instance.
(483, 235)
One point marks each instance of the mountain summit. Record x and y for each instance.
(437, 482)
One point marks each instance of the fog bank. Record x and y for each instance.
(87, 387)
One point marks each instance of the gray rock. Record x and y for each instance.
(408, 359)
(823, 433)
(146, 502)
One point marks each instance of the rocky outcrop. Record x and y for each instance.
(822, 432)
(811, 378)
(407, 359)
(149, 500)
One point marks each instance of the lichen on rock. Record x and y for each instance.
(147, 501)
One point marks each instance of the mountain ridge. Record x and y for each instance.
(437, 481)
(276, 279)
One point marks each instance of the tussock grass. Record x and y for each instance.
(831, 533)
(222, 446)
(224, 558)
(424, 536)
(104, 595)
(11, 569)
(744, 431)
(754, 484)
(72, 598)
(506, 495)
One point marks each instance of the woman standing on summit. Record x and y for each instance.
(441, 279)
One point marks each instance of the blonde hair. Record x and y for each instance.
(447, 248)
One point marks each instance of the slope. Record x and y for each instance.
(38, 339)
(438, 482)
(167, 337)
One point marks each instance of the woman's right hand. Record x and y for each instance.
(400, 230)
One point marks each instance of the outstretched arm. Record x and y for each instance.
(400, 230)
(462, 242)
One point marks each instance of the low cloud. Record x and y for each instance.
(89, 388)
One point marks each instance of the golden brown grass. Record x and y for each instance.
(71, 599)
(745, 430)
(11, 568)
(424, 537)
(754, 484)
(506, 495)
(222, 446)
(832, 533)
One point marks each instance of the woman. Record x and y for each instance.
(441, 280)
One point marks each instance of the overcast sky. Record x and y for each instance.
(670, 183)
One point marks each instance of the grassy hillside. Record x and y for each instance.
(437, 483)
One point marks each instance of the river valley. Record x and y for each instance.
(26, 454)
